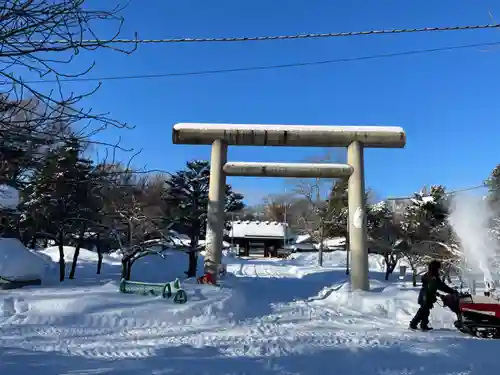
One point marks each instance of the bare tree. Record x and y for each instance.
(38, 40)
(314, 218)
(313, 193)
(309, 220)
(131, 220)
(277, 207)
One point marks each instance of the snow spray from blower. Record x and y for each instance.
(470, 218)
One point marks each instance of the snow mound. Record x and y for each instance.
(382, 304)
(19, 263)
(337, 258)
(85, 256)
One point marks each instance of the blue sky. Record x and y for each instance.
(447, 102)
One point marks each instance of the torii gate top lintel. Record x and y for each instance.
(288, 135)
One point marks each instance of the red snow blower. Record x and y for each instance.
(476, 315)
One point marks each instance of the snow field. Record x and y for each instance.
(269, 317)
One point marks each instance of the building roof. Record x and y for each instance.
(257, 229)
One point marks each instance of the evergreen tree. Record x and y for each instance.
(336, 214)
(424, 220)
(493, 185)
(187, 196)
(59, 197)
(426, 213)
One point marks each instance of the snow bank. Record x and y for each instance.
(385, 302)
(336, 259)
(85, 256)
(252, 324)
(389, 302)
(19, 263)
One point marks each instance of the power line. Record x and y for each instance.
(258, 38)
(266, 67)
(483, 186)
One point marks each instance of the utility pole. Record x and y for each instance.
(347, 263)
(322, 234)
(285, 222)
(321, 214)
(322, 240)
(232, 231)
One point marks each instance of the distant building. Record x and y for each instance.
(305, 243)
(398, 205)
(258, 236)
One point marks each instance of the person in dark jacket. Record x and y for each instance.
(431, 283)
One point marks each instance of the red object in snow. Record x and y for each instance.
(206, 279)
(483, 305)
(476, 315)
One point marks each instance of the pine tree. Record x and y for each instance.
(336, 215)
(425, 214)
(187, 195)
(424, 221)
(59, 197)
(493, 185)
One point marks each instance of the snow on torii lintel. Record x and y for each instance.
(279, 127)
(288, 135)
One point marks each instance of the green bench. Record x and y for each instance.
(166, 290)
(15, 284)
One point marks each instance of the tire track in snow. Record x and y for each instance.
(292, 328)
(103, 338)
(108, 338)
(107, 334)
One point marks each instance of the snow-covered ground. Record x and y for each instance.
(269, 317)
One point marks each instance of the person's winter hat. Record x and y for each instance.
(434, 267)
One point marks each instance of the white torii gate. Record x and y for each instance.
(355, 138)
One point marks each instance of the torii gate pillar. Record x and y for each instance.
(215, 210)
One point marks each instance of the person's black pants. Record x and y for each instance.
(422, 316)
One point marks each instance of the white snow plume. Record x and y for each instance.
(470, 219)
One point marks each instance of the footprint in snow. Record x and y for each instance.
(13, 307)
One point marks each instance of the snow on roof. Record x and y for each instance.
(264, 229)
(331, 243)
(301, 238)
(423, 200)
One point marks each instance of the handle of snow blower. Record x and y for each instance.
(455, 294)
